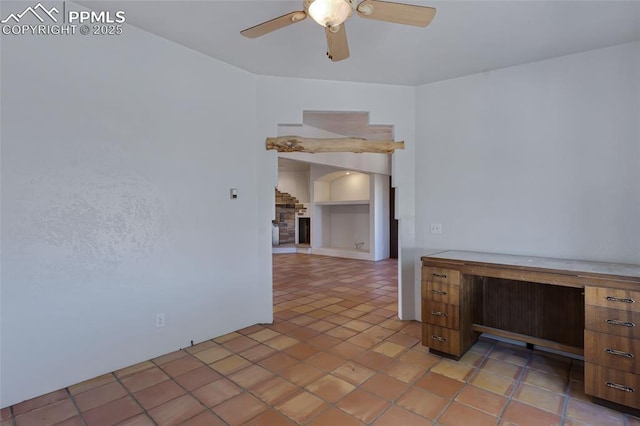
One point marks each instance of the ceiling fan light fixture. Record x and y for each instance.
(330, 13)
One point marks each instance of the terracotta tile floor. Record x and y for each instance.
(336, 355)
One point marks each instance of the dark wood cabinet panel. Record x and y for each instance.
(612, 385)
(440, 275)
(544, 311)
(445, 293)
(616, 352)
(442, 314)
(612, 321)
(613, 298)
(442, 339)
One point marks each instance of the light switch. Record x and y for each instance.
(233, 193)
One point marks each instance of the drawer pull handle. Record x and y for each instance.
(619, 353)
(620, 387)
(439, 314)
(441, 293)
(439, 275)
(439, 339)
(622, 323)
(618, 299)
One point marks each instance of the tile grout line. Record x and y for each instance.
(466, 382)
(565, 403)
(519, 380)
(330, 404)
(248, 390)
(329, 373)
(516, 384)
(14, 422)
(75, 404)
(144, 411)
(188, 392)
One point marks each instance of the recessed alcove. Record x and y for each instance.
(346, 194)
(351, 211)
(341, 200)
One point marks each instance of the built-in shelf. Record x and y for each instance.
(342, 252)
(350, 208)
(347, 249)
(342, 203)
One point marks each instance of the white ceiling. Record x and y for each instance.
(465, 37)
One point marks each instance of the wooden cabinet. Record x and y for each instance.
(442, 339)
(612, 321)
(439, 275)
(611, 385)
(445, 293)
(612, 344)
(446, 327)
(616, 352)
(585, 308)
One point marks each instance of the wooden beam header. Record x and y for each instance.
(316, 145)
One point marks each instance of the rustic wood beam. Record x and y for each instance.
(315, 145)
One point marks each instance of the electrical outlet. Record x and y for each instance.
(436, 228)
(159, 320)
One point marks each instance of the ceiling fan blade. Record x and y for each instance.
(407, 14)
(337, 46)
(274, 24)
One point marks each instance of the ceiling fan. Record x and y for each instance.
(331, 14)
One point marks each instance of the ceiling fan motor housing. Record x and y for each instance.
(329, 13)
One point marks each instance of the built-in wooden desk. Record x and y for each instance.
(585, 308)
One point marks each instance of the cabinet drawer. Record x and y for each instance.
(612, 321)
(612, 385)
(439, 275)
(438, 292)
(442, 314)
(612, 298)
(441, 339)
(616, 352)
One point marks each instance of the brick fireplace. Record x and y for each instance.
(286, 208)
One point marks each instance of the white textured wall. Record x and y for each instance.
(354, 186)
(347, 225)
(116, 171)
(380, 216)
(296, 184)
(539, 159)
